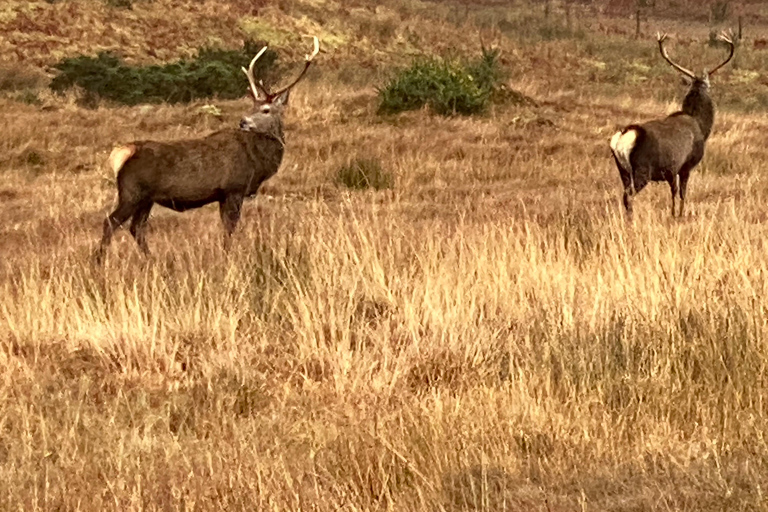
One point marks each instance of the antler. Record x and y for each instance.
(663, 37)
(258, 90)
(308, 61)
(726, 38)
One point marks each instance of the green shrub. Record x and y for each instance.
(364, 173)
(213, 72)
(446, 87)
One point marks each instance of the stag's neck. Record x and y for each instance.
(274, 132)
(275, 136)
(699, 106)
(265, 148)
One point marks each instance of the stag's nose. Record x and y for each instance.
(243, 124)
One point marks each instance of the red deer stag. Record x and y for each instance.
(668, 149)
(225, 167)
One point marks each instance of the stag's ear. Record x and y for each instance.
(686, 81)
(282, 99)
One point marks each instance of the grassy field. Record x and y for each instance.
(489, 334)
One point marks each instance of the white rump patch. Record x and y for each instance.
(120, 155)
(622, 145)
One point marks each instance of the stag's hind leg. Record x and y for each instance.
(627, 200)
(633, 184)
(629, 190)
(122, 213)
(138, 225)
(229, 210)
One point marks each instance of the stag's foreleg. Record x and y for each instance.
(138, 225)
(629, 188)
(673, 186)
(684, 175)
(229, 210)
(122, 213)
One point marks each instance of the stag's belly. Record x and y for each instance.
(656, 162)
(188, 198)
(182, 198)
(661, 175)
(184, 205)
(185, 192)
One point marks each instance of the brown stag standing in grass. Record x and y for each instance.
(668, 149)
(225, 167)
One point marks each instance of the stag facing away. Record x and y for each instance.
(225, 167)
(668, 149)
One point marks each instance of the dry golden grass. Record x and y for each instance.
(487, 335)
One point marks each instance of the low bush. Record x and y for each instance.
(364, 173)
(211, 73)
(447, 87)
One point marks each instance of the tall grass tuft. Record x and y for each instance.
(364, 173)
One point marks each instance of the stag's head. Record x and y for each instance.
(268, 106)
(698, 83)
(697, 102)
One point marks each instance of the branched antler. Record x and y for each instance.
(308, 61)
(259, 92)
(727, 39)
(663, 37)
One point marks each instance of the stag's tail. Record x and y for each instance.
(622, 144)
(120, 155)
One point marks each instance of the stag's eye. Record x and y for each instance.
(265, 109)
